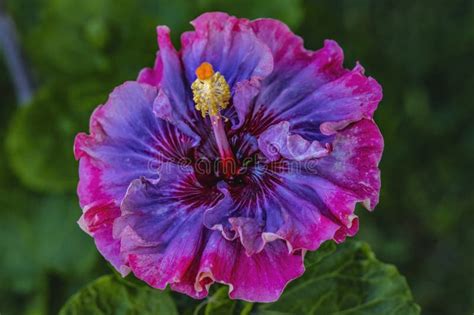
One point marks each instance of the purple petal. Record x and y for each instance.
(293, 81)
(257, 278)
(276, 142)
(285, 46)
(350, 98)
(164, 241)
(245, 93)
(126, 142)
(352, 165)
(312, 90)
(278, 204)
(160, 228)
(152, 76)
(169, 75)
(229, 44)
(304, 203)
(97, 220)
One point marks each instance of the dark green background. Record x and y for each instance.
(422, 52)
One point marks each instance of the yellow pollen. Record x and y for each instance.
(211, 91)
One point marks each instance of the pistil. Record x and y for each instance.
(211, 94)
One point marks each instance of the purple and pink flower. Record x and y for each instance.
(229, 159)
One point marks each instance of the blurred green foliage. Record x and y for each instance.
(421, 52)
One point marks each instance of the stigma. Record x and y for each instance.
(211, 92)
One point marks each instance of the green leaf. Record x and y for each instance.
(220, 304)
(346, 279)
(111, 295)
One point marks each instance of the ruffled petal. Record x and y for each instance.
(352, 165)
(286, 47)
(160, 227)
(167, 71)
(274, 206)
(303, 202)
(244, 96)
(335, 105)
(97, 220)
(257, 278)
(229, 44)
(321, 210)
(312, 90)
(175, 98)
(164, 241)
(277, 142)
(152, 76)
(126, 141)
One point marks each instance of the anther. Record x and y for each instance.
(210, 90)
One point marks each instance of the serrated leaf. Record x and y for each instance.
(111, 295)
(346, 279)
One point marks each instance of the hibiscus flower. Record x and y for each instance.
(229, 159)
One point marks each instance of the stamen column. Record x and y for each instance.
(211, 94)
